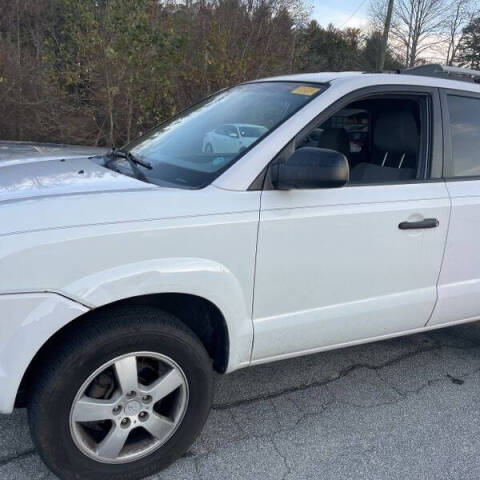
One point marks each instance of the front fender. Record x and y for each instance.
(27, 321)
(195, 276)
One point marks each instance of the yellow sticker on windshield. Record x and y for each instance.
(304, 90)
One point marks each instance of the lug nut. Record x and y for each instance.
(116, 410)
(125, 422)
(143, 416)
(131, 394)
(146, 399)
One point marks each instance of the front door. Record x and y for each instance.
(333, 266)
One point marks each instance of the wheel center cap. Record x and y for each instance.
(133, 408)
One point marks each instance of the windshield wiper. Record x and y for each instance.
(132, 159)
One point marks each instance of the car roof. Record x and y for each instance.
(376, 79)
(321, 77)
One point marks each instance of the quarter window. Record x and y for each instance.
(465, 134)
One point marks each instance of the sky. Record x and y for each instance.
(342, 13)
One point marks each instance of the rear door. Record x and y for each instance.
(333, 266)
(459, 282)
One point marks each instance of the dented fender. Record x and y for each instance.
(194, 276)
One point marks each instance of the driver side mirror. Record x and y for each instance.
(310, 168)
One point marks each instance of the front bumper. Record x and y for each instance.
(27, 321)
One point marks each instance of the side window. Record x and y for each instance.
(231, 131)
(222, 130)
(464, 115)
(384, 139)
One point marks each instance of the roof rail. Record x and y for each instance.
(443, 71)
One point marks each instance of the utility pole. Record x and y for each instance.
(386, 33)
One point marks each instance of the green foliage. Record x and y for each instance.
(329, 49)
(469, 48)
(104, 71)
(371, 55)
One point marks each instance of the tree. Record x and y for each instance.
(372, 52)
(104, 71)
(468, 54)
(329, 49)
(419, 26)
(422, 29)
(461, 14)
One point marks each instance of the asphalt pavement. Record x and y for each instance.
(407, 408)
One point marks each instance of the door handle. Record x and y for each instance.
(427, 223)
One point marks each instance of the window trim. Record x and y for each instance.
(447, 133)
(434, 158)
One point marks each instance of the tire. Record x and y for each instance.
(162, 346)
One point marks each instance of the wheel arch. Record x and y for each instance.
(199, 314)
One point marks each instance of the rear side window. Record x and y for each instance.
(252, 132)
(465, 133)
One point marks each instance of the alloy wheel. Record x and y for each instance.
(129, 407)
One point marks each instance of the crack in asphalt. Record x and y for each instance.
(321, 383)
(345, 372)
(17, 456)
(322, 409)
(342, 374)
(288, 470)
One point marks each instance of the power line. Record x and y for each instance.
(355, 12)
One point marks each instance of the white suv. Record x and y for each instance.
(128, 278)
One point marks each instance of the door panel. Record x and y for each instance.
(459, 283)
(220, 141)
(334, 267)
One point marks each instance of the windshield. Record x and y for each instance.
(196, 146)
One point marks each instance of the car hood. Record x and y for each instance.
(82, 194)
(20, 152)
(46, 178)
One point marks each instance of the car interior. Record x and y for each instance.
(383, 139)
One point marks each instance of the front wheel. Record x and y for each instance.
(125, 396)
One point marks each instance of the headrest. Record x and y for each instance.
(335, 139)
(396, 133)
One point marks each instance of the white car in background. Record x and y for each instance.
(232, 138)
(128, 278)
